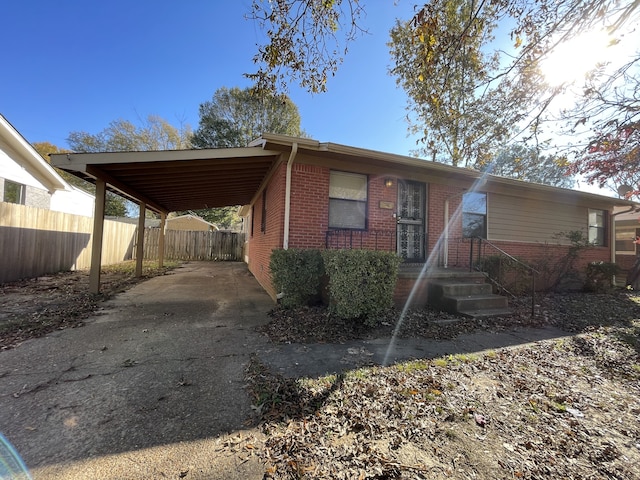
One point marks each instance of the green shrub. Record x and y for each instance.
(361, 282)
(296, 274)
(599, 276)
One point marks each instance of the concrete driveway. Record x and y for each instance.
(146, 387)
(152, 386)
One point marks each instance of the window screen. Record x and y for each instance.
(347, 200)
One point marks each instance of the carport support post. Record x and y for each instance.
(140, 240)
(96, 240)
(163, 221)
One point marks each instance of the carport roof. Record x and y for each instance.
(175, 180)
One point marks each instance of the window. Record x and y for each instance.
(624, 240)
(253, 216)
(597, 230)
(347, 200)
(474, 215)
(263, 222)
(13, 192)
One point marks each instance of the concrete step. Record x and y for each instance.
(439, 274)
(457, 289)
(470, 303)
(496, 312)
(454, 291)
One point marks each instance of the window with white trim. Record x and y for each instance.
(597, 227)
(474, 215)
(347, 200)
(13, 192)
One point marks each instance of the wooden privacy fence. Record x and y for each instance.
(35, 242)
(192, 245)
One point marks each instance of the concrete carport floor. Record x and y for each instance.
(144, 388)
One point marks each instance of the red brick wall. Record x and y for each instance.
(261, 243)
(310, 216)
(309, 206)
(544, 257)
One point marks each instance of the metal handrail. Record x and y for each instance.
(371, 239)
(529, 268)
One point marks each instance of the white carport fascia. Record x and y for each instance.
(78, 161)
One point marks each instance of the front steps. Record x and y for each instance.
(451, 290)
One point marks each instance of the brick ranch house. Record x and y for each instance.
(325, 195)
(301, 193)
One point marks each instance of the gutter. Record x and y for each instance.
(287, 195)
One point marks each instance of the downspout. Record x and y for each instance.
(287, 195)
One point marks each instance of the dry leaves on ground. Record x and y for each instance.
(561, 409)
(567, 408)
(34, 307)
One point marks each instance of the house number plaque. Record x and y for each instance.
(386, 205)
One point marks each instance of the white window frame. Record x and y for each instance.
(597, 222)
(466, 212)
(21, 192)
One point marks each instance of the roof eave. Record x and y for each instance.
(39, 168)
(272, 140)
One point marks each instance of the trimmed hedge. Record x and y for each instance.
(361, 282)
(296, 274)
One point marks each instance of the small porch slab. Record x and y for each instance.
(451, 290)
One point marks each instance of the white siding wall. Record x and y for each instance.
(73, 201)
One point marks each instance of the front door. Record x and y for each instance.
(411, 221)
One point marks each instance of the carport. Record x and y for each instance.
(167, 181)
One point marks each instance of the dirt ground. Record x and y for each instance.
(564, 408)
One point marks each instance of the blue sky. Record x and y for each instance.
(76, 65)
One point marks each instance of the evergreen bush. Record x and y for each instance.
(361, 282)
(296, 274)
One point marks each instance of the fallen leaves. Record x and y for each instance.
(34, 307)
(566, 408)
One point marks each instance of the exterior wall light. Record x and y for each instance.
(388, 182)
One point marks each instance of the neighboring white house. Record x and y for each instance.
(27, 179)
